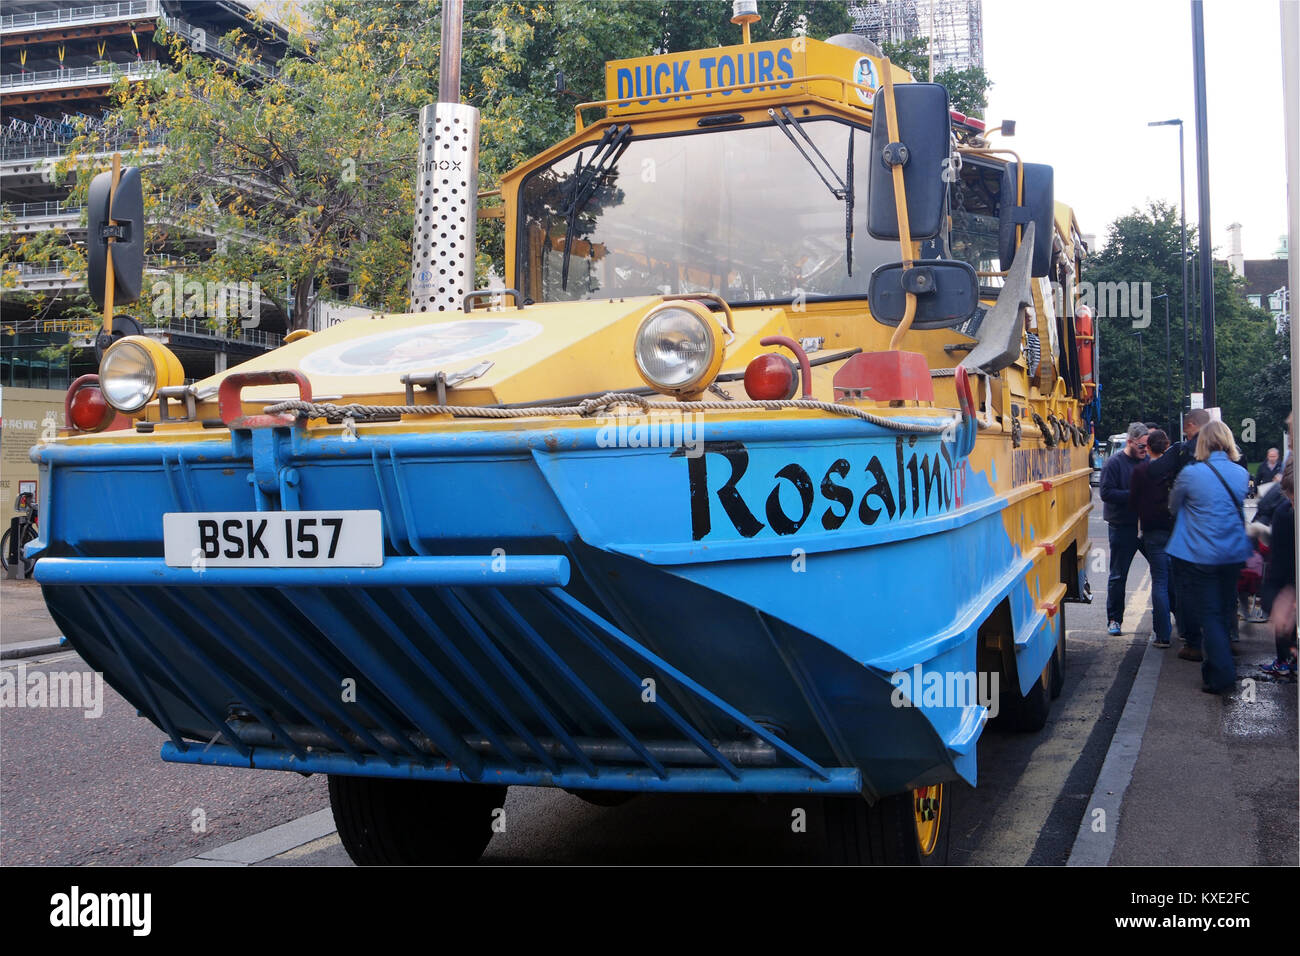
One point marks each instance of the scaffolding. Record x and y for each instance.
(955, 26)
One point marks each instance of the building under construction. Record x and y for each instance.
(955, 26)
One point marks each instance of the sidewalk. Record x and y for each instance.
(25, 625)
(1215, 780)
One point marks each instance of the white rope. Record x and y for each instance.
(591, 406)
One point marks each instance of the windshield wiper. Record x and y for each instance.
(841, 189)
(586, 177)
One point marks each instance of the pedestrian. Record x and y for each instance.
(1121, 520)
(1149, 500)
(1183, 453)
(1269, 469)
(1277, 594)
(1179, 455)
(1209, 546)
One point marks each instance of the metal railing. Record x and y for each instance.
(100, 11)
(37, 210)
(16, 152)
(26, 269)
(215, 45)
(80, 74)
(198, 326)
(57, 267)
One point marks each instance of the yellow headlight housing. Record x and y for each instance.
(678, 349)
(134, 368)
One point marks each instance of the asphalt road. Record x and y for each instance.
(79, 790)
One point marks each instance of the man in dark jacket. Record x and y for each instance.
(1122, 521)
(1270, 469)
(1181, 453)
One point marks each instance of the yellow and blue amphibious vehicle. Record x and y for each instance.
(768, 473)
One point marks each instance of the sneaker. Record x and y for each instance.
(1257, 616)
(1159, 643)
(1113, 627)
(1191, 654)
(1278, 668)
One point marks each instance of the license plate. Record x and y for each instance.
(273, 539)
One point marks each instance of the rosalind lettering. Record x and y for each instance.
(860, 492)
(75, 908)
(916, 688)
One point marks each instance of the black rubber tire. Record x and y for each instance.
(858, 834)
(383, 822)
(1029, 713)
(1058, 659)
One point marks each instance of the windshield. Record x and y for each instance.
(974, 205)
(736, 211)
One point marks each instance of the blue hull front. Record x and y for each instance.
(554, 611)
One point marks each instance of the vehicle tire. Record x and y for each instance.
(383, 822)
(1029, 713)
(1058, 659)
(906, 829)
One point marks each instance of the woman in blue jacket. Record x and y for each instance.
(1209, 544)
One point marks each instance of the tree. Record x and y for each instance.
(968, 89)
(1142, 252)
(1268, 392)
(301, 180)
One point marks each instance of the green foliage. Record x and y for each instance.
(912, 54)
(968, 89)
(1252, 359)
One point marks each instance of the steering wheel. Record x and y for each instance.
(819, 264)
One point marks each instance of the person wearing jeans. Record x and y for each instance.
(1210, 545)
(1149, 500)
(1121, 521)
(1179, 456)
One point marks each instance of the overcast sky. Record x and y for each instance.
(1083, 79)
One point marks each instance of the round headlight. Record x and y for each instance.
(133, 369)
(677, 348)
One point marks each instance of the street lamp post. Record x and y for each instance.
(1142, 415)
(1169, 385)
(1182, 209)
(1209, 354)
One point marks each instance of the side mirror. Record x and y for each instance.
(118, 213)
(1039, 207)
(947, 293)
(925, 125)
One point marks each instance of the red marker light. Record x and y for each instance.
(87, 410)
(771, 377)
